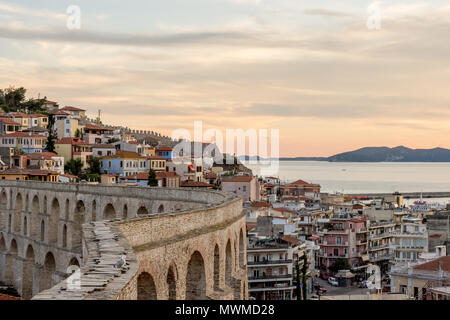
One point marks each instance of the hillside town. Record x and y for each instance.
(301, 243)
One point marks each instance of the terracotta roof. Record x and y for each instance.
(9, 121)
(249, 227)
(139, 176)
(163, 148)
(291, 240)
(155, 158)
(284, 210)
(59, 113)
(37, 115)
(195, 184)
(260, 204)
(19, 115)
(40, 155)
(21, 135)
(238, 179)
(90, 126)
(70, 108)
(433, 265)
(300, 182)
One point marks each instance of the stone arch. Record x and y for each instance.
(28, 273)
(18, 213)
(196, 278)
(74, 262)
(54, 220)
(142, 211)
(216, 267)
(228, 263)
(46, 278)
(34, 217)
(3, 211)
(171, 280)
(67, 209)
(94, 211)
(242, 245)
(78, 220)
(146, 288)
(161, 209)
(64, 236)
(10, 263)
(125, 211)
(109, 212)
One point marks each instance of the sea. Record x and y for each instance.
(367, 177)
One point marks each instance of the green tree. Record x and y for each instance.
(94, 166)
(50, 146)
(2, 98)
(152, 181)
(78, 133)
(340, 264)
(14, 97)
(74, 167)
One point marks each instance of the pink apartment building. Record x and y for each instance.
(344, 238)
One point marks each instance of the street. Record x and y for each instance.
(338, 291)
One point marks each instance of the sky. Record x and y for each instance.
(310, 68)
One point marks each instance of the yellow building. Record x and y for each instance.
(67, 128)
(29, 174)
(73, 148)
(157, 163)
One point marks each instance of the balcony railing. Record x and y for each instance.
(252, 263)
(271, 276)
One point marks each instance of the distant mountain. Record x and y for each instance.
(384, 154)
(397, 154)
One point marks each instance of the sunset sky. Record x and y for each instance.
(310, 68)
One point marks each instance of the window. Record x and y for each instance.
(338, 240)
(244, 188)
(100, 153)
(109, 164)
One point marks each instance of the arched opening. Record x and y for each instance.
(94, 211)
(28, 273)
(146, 289)
(42, 230)
(241, 250)
(78, 220)
(228, 263)
(216, 267)
(172, 283)
(109, 212)
(64, 235)
(10, 263)
(74, 262)
(2, 243)
(44, 206)
(125, 212)
(3, 213)
(161, 209)
(67, 210)
(25, 226)
(46, 279)
(142, 211)
(196, 278)
(35, 217)
(18, 213)
(54, 220)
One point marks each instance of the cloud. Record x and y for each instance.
(326, 13)
(42, 13)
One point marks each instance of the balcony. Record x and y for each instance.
(272, 277)
(362, 230)
(269, 262)
(379, 247)
(326, 243)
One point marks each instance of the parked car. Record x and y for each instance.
(323, 275)
(333, 281)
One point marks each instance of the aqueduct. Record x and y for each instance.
(179, 243)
